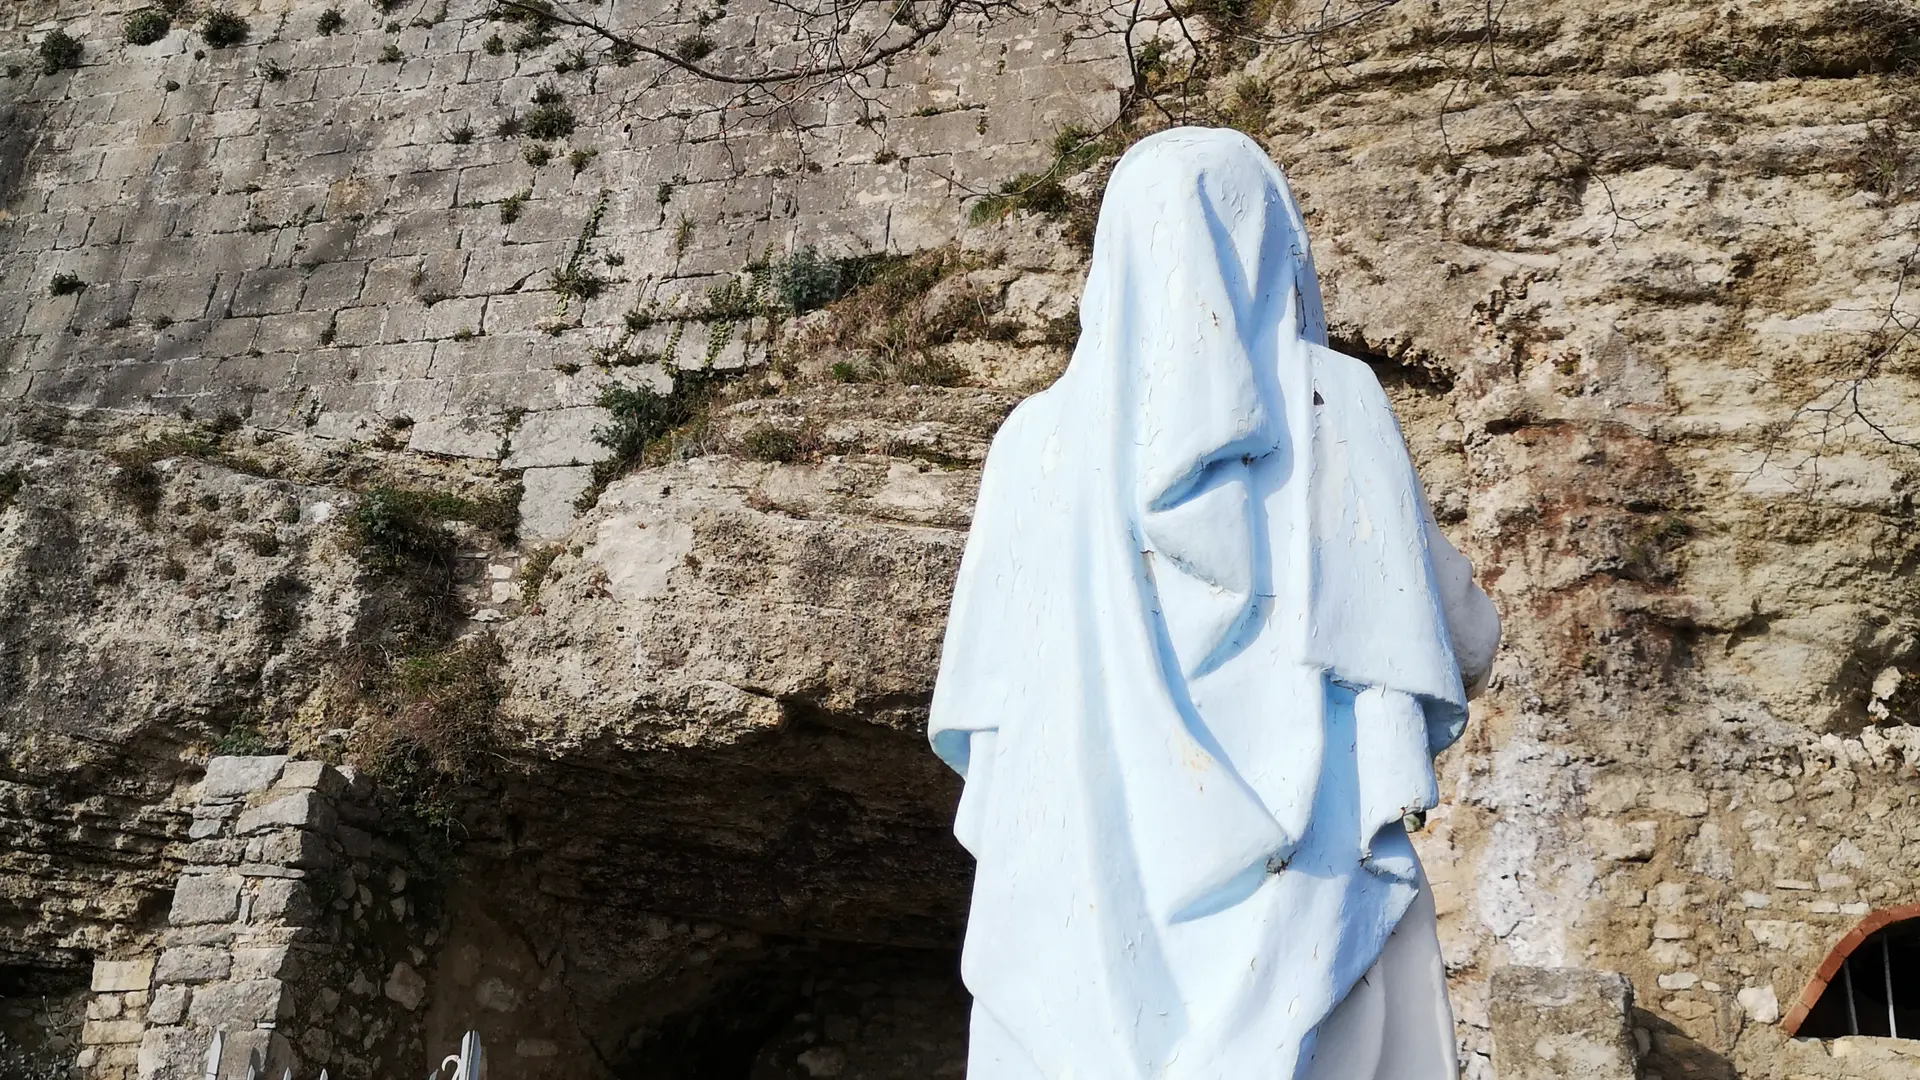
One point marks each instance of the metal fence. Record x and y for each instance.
(469, 1064)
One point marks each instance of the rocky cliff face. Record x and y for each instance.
(1635, 279)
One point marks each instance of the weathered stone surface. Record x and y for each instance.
(248, 1002)
(405, 987)
(1561, 1024)
(194, 964)
(303, 809)
(227, 776)
(111, 976)
(205, 898)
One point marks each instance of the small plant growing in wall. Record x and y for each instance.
(693, 48)
(682, 236)
(222, 29)
(511, 205)
(59, 51)
(330, 22)
(391, 54)
(580, 159)
(460, 135)
(146, 26)
(537, 154)
(495, 46)
(273, 72)
(550, 118)
(508, 127)
(66, 283)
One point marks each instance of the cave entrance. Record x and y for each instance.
(801, 1010)
(1869, 983)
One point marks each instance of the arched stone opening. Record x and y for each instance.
(1869, 983)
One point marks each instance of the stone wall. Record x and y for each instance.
(292, 930)
(289, 230)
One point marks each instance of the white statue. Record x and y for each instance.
(1204, 644)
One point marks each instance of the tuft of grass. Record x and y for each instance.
(682, 236)
(580, 159)
(533, 572)
(511, 205)
(693, 48)
(243, 739)
(770, 443)
(550, 118)
(461, 134)
(1075, 149)
(222, 29)
(578, 282)
(507, 127)
(330, 22)
(434, 711)
(394, 529)
(537, 154)
(274, 72)
(146, 26)
(891, 327)
(391, 54)
(66, 283)
(648, 426)
(60, 51)
(494, 46)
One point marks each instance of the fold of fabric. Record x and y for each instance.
(1196, 658)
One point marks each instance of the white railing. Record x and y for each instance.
(469, 1064)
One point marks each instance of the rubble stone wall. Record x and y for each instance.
(292, 930)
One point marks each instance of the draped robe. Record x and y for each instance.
(1197, 663)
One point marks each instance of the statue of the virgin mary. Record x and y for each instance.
(1204, 645)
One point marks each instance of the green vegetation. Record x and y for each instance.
(580, 159)
(1075, 148)
(461, 134)
(274, 72)
(243, 739)
(885, 320)
(537, 154)
(394, 529)
(508, 127)
(391, 54)
(533, 572)
(511, 205)
(59, 51)
(331, 21)
(769, 443)
(146, 26)
(649, 426)
(222, 29)
(693, 48)
(550, 118)
(494, 46)
(66, 283)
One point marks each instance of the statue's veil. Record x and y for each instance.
(1116, 556)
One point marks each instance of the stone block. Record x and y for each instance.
(1630, 841)
(1562, 1024)
(229, 776)
(169, 1004)
(546, 500)
(317, 775)
(560, 437)
(205, 898)
(194, 964)
(121, 976)
(103, 1032)
(303, 809)
(405, 987)
(251, 1002)
(283, 900)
